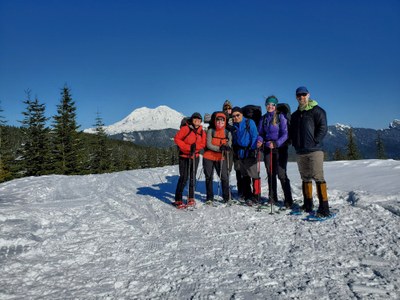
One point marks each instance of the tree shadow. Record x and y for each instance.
(165, 190)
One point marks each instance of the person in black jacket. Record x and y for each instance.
(307, 131)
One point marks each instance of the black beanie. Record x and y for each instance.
(196, 115)
(237, 109)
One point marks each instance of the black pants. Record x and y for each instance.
(222, 170)
(186, 172)
(279, 166)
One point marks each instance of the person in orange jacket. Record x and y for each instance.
(215, 157)
(190, 139)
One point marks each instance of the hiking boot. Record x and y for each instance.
(288, 204)
(323, 209)
(252, 200)
(179, 204)
(307, 206)
(249, 202)
(209, 202)
(191, 202)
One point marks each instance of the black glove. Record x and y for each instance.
(192, 148)
(226, 148)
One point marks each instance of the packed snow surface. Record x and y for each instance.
(116, 236)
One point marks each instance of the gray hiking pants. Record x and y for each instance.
(311, 166)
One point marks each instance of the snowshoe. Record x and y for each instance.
(319, 217)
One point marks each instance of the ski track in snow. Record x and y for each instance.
(116, 236)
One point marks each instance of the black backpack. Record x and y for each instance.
(253, 112)
(284, 108)
(184, 121)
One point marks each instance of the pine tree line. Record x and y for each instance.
(34, 149)
(352, 151)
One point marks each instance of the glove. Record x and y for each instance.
(226, 148)
(192, 148)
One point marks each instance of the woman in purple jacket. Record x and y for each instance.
(273, 133)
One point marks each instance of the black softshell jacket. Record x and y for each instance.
(307, 129)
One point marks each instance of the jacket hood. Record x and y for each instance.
(220, 115)
(311, 104)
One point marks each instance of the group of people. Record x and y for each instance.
(232, 140)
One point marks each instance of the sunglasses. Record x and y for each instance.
(301, 94)
(220, 120)
(227, 107)
(236, 115)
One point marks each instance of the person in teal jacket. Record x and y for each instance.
(245, 136)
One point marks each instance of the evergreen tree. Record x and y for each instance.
(380, 149)
(36, 147)
(352, 149)
(338, 155)
(5, 172)
(66, 141)
(101, 158)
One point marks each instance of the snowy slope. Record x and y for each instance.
(115, 236)
(144, 119)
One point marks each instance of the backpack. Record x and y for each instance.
(253, 112)
(184, 121)
(284, 108)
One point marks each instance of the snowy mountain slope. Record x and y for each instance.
(144, 119)
(116, 236)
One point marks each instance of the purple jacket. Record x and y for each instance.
(267, 132)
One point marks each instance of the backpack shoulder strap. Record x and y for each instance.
(190, 131)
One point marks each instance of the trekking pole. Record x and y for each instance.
(219, 175)
(258, 174)
(227, 167)
(194, 175)
(200, 174)
(188, 174)
(270, 171)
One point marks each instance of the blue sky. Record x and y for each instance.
(120, 55)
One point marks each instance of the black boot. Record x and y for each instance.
(287, 191)
(239, 183)
(307, 195)
(323, 208)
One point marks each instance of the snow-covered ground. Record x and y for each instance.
(115, 236)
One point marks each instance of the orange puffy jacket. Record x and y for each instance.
(215, 138)
(188, 135)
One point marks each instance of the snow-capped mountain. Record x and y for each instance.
(145, 119)
(365, 138)
(395, 124)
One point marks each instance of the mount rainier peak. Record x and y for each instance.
(145, 119)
